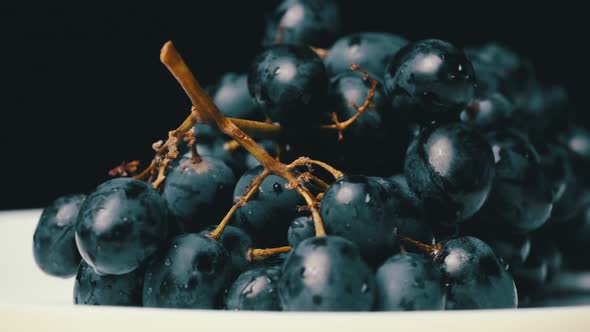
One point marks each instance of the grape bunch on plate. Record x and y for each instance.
(341, 173)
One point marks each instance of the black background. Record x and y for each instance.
(83, 88)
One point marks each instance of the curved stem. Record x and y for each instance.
(252, 188)
(304, 161)
(146, 172)
(341, 126)
(308, 177)
(209, 113)
(261, 254)
(312, 206)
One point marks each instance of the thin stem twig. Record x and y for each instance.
(252, 188)
(341, 126)
(305, 161)
(261, 254)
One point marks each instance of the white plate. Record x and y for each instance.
(31, 300)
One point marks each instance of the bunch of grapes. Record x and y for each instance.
(341, 173)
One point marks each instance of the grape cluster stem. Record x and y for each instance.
(206, 111)
(241, 131)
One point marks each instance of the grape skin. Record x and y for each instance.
(121, 225)
(54, 244)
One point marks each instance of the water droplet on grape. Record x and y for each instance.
(277, 188)
(302, 271)
(367, 198)
(167, 262)
(364, 288)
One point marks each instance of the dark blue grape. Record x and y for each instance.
(326, 274)
(371, 50)
(547, 111)
(540, 268)
(255, 289)
(352, 88)
(430, 80)
(521, 199)
(360, 209)
(573, 238)
(573, 201)
(512, 249)
(576, 196)
(236, 160)
(352, 153)
(556, 167)
(289, 83)
(267, 215)
(198, 194)
(121, 225)
(474, 277)
(409, 282)
(307, 22)
(554, 258)
(568, 289)
(451, 170)
(119, 290)
(192, 273)
(577, 142)
(54, 245)
(300, 229)
(413, 222)
(492, 111)
(232, 97)
(499, 69)
(237, 243)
